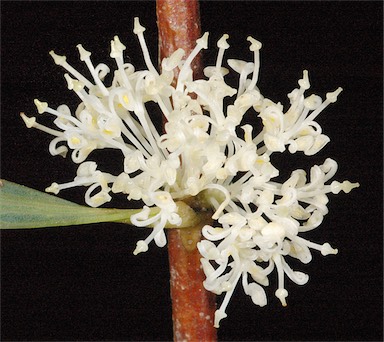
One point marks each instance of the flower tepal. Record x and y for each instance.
(206, 152)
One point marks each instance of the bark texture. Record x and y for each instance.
(179, 27)
(192, 306)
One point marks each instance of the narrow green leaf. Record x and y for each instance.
(23, 207)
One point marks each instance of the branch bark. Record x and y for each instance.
(193, 307)
(179, 27)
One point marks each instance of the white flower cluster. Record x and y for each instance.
(203, 148)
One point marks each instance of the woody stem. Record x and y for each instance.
(193, 307)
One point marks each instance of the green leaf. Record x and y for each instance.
(23, 207)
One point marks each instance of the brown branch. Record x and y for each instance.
(179, 27)
(192, 306)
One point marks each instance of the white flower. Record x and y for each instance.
(204, 151)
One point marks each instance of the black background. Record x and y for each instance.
(83, 283)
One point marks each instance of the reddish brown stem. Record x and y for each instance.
(179, 27)
(192, 306)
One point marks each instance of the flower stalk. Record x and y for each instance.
(193, 307)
